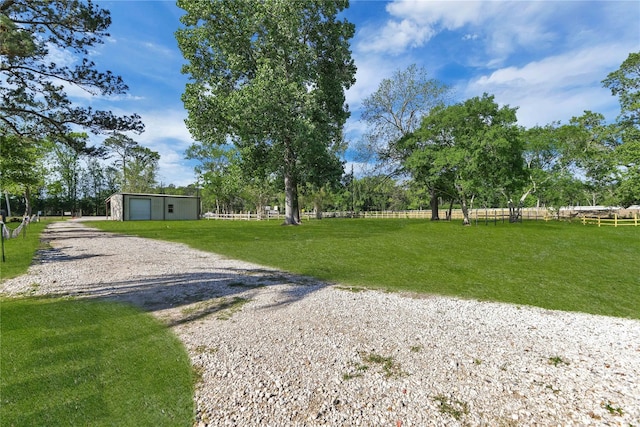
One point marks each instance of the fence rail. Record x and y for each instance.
(615, 221)
(477, 215)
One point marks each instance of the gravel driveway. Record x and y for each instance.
(276, 349)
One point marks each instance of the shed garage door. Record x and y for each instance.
(139, 209)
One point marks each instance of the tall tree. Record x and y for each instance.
(93, 183)
(121, 146)
(475, 144)
(590, 145)
(219, 173)
(394, 111)
(21, 167)
(33, 99)
(141, 171)
(270, 77)
(551, 155)
(66, 165)
(138, 166)
(625, 84)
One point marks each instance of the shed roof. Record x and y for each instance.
(152, 195)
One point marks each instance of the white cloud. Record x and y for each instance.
(173, 168)
(557, 87)
(165, 124)
(166, 133)
(448, 14)
(157, 49)
(60, 57)
(395, 37)
(504, 27)
(412, 23)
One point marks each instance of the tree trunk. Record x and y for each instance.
(434, 205)
(465, 209)
(27, 201)
(317, 206)
(291, 211)
(6, 198)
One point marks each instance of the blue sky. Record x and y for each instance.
(547, 58)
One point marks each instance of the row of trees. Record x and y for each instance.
(53, 176)
(428, 150)
(266, 104)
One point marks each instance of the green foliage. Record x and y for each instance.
(22, 168)
(20, 162)
(34, 102)
(613, 410)
(572, 164)
(80, 362)
(625, 83)
(557, 361)
(138, 165)
(475, 146)
(554, 265)
(270, 77)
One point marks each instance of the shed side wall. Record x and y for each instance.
(116, 202)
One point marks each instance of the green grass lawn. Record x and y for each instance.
(19, 252)
(72, 362)
(556, 265)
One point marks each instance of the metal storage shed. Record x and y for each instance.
(140, 207)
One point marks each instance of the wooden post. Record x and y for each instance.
(615, 220)
(2, 237)
(598, 221)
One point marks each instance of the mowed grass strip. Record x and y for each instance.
(19, 252)
(555, 265)
(79, 362)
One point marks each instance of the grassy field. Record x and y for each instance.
(19, 252)
(79, 362)
(556, 265)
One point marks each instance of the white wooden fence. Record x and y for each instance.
(476, 216)
(456, 214)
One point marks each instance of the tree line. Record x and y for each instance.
(266, 107)
(475, 152)
(54, 177)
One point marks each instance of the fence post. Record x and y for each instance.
(2, 237)
(635, 218)
(615, 220)
(598, 221)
